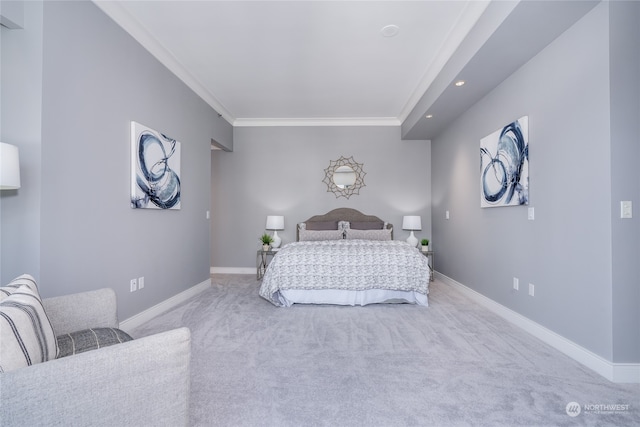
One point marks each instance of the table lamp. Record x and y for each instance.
(412, 222)
(275, 223)
(9, 167)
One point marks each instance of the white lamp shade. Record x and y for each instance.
(412, 222)
(9, 167)
(275, 222)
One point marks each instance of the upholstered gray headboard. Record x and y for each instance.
(344, 214)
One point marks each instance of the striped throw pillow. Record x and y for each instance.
(90, 339)
(15, 284)
(26, 334)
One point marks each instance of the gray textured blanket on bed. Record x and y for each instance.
(346, 265)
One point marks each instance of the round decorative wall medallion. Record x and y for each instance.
(344, 177)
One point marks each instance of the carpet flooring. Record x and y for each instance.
(453, 363)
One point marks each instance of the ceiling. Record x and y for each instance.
(297, 63)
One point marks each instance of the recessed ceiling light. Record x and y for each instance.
(428, 116)
(460, 83)
(390, 30)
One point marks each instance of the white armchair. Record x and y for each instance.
(141, 382)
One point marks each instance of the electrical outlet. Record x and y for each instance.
(133, 285)
(516, 283)
(531, 289)
(140, 282)
(626, 209)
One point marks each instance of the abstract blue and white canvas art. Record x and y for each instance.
(504, 166)
(155, 169)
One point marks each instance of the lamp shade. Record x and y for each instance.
(275, 222)
(412, 222)
(9, 167)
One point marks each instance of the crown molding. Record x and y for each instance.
(118, 13)
(466, 21)
(121, 16)
(320, 121)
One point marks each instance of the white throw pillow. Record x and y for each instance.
(26, 334)
(318, 235)
(369, 234)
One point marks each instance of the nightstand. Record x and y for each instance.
(430, 260)
(263, 258)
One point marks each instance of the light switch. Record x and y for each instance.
(531, 214)
(446, 215)
(626, 209)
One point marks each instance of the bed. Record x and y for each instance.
(345, 257)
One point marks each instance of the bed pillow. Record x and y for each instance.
(369, 234)
(366, 225)
(317, 235)
(322, 225)
(26, 334)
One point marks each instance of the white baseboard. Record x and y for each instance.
(625, 372)
(233, 270)
(615, 372)
(140, 318)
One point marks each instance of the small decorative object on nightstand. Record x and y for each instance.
(424, 244)
(266, 242)
(412, 222)
(275, 223)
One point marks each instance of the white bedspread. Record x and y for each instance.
(356, 266)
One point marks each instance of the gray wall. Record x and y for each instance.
(95, 79)
(279, 171)
(20, 125)
(12, 13)
(566, 252)
(624, 24)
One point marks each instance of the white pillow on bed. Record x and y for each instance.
(343, 225)
(317, 235)
(368, 234)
